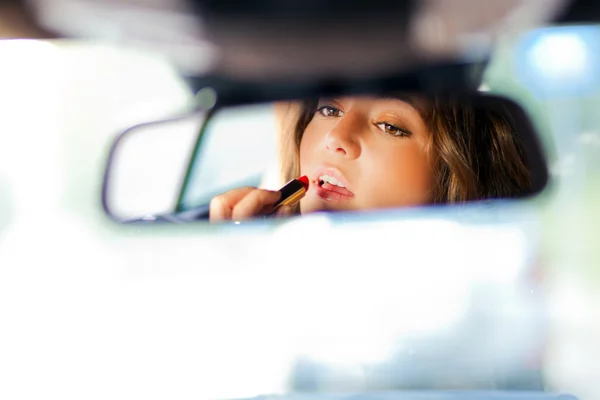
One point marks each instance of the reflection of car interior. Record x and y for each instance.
(237, 147)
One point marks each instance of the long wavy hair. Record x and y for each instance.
(476, 152)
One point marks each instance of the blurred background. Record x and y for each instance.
(62, 102)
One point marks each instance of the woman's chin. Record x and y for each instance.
(308, 207)
(320, 206)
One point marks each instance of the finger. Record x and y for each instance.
(284, 211)
(255, 203)
(221, 206)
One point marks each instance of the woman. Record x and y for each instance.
(369, 153)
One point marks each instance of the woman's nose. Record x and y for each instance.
(343, 138)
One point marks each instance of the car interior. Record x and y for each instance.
(221, 261)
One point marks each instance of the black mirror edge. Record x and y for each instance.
(535, 153)
(451, 76)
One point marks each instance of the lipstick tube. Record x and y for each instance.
(292, 192)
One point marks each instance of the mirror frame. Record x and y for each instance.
(433, 80)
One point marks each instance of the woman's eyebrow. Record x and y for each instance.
(410, 100)
(402, 98)
(328, 100)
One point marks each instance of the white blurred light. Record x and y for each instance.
(564, 166)
(560, 56)
(30, 100)
(589, 138)
(426, 291)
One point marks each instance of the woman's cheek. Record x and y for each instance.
(306, 148)
(402, 178)
(303, 152)
(418, 175)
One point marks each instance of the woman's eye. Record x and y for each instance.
(393, 130)
(329, 111)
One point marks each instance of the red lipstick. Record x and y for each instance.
(293, 192)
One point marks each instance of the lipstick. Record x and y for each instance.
(293, 192)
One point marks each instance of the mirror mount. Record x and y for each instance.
(449, 77)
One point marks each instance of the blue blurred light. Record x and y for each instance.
(559, 61)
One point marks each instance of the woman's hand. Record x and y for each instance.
(242, 203)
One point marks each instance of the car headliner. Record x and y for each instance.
(216, 36)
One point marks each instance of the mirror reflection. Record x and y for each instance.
(349, 153)
(147, 167)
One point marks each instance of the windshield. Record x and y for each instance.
(249, 129)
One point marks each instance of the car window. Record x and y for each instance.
(561, 94)
(223, 162)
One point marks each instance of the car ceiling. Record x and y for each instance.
(256, 38)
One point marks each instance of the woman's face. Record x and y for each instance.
(365, 153)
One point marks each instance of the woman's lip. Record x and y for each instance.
(331, 192)
(337, 189)
(331, 172)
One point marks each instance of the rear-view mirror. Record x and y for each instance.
(347, 153)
